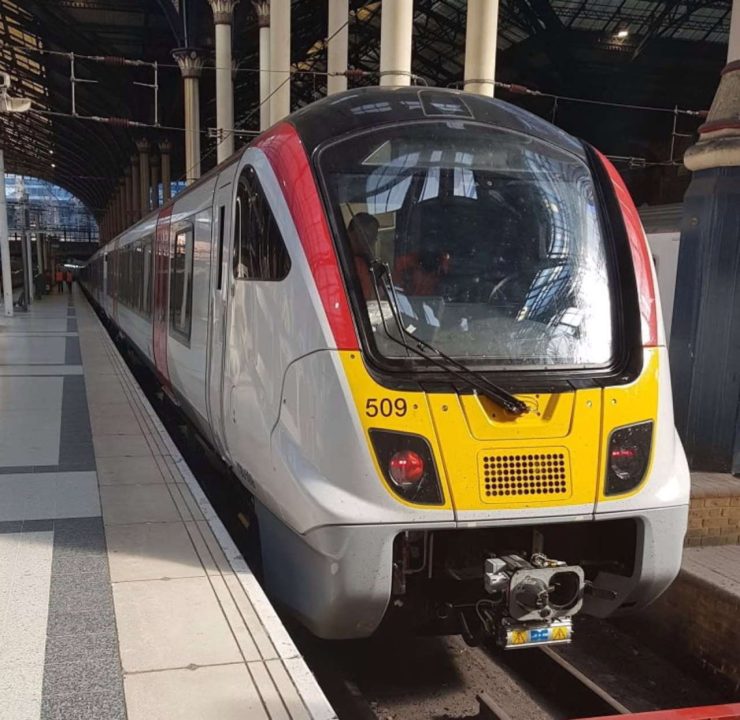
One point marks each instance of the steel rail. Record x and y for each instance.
(563, 684)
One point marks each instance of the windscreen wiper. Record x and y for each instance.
(380, 272)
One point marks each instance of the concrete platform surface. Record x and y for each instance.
(121, 593)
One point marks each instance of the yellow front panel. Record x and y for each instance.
(629, 405)
(461, 452)
(549, 416)
(384, 409)
(471, 437)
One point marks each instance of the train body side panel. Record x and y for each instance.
(324, 470)
(270, 325)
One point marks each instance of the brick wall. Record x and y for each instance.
(699, 620)
(714, 515)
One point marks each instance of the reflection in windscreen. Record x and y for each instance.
(492, 239)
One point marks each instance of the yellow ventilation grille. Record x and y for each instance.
(521, 475)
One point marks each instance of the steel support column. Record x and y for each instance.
(121, 205)
(262, 8)
(165, 153)
(223, 16)
(279, 60)
(114, 211)
(144, 175)
(733, 45)
(396, 29)
(127, 209)
(135, 197)
(28, 265)
(154, 191)
(338, 46)
(480, 46)
(191, 66)
(5, 245)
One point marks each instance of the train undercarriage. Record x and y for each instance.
(520, 585)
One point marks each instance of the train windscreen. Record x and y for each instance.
(492, 239)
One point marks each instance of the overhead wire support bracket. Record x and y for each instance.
(73, 80)
(155, 87)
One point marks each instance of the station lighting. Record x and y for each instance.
(622, 34)
(11, 104)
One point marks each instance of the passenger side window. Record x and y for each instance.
(259, 249)
(181, 284)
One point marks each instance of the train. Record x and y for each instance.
(422, 328)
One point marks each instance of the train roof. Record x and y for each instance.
(371, 107)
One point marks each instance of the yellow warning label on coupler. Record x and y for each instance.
(560, 631)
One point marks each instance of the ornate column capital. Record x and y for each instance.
(223, 11)
(262, 8)
(165, 147)
(154, 161)
(135, 161)
(142, 146)
(190, 61)
(719, 136)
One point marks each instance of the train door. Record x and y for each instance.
(161, 293)
(219, 301)
(255, 354)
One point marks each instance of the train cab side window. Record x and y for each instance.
(181, 284)
(259, 248)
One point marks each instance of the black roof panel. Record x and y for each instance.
(363, 108)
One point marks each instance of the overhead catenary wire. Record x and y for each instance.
(350, 73)
(355, 73)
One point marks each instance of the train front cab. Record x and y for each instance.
(522, 258)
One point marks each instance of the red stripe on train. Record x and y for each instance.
(161, 295)
(284, 149)
(641, 256)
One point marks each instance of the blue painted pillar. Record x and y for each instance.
(705, 336)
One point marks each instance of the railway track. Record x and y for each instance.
(569, 689)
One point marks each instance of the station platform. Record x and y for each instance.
(121, 593)
(697, 616)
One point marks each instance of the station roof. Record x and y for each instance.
(618, 51)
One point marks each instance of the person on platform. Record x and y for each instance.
(68, 278)
(59, 278)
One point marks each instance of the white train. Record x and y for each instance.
(421, 326)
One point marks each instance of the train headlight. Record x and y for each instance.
(408, 466)
(628, 458)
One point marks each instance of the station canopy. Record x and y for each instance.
(88, 67)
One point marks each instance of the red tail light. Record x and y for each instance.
(641, 258)
(406, 467)
(629, 455)
(407, 464)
